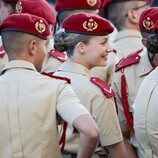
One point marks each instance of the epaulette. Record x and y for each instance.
(131, 59)
(50, 74)
(106, 89)
(2, 52)
(58, 55)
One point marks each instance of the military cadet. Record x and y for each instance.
(47, 12)
(7, 7)
(64, 9)
(128, 38)
(85, 39)
(145, 107)
(32, 104)
(130, 72)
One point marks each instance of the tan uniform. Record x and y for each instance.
(134, 75)
(102, 108)
(29, 106)
(3, 56)
(52, 59)
(127, 41)
(145, 116)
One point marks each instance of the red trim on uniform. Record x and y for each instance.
(131, 59)
(125, 104)
(63, 137)
(58, 55)
(2, 52)
(106, 89)
(50, 74)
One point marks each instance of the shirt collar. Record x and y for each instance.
(127, 33)
(19, 64)
(145, 67)
(70, 66)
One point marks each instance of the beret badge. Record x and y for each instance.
(40, 26)
(90, 25)
(19, 7)
(148, 23)
(92, 2)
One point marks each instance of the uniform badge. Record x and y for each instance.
(90, 25)
(19, 7)
(92, 2)
(148, 23)
(40, 26)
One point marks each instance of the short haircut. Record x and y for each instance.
(16, 42)
(116, 13)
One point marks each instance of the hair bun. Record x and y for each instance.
(59, 41)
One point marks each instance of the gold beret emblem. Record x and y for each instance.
(148, 23)
(19, 7)
(92, 2)
(90, 25)
(40, 26)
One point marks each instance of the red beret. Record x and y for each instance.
(62, 5)
(156, 27)
(37, 7)
(10, 1)
(86, 23)
(108, 2)
(148, 19)
(26, 23)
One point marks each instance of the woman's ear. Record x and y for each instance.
(80, 47)
(32, 47)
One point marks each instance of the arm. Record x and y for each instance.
(89, 135)
(117, 150)
(75, 114)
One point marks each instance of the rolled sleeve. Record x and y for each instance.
(69, 106)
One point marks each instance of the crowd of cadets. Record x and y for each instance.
(78, 79)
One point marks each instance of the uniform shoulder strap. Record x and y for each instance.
(131, 59)
(58, 55)
(106, 89)
(50, 74)
(2, 52)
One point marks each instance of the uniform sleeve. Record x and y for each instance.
(116, 86)
(104, 113)
(69, 106)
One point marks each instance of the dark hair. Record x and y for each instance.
(64, 41)
(152, 43)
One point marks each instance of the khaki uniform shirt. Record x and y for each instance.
(30, 106)
(50, 63)
(102, 108)
(146, 116)
(4, 59)
(126, 42)
(134, 75)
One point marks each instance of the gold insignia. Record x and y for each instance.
(40, 26)
(90, 25)
(148, 23)
(19, 7)
(92, 2)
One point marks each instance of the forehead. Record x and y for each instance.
(100, 38)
